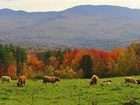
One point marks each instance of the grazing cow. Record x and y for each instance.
(107, 81)
(6, 79)
(50, 79)
(94, 80)
(138, 81)
(21, 81)
(130, 80)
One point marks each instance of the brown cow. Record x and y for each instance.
(94, 80)
(50, 79)
(138, 81)
(130, 80)
(21, 81)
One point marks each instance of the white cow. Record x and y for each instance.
(6, 79)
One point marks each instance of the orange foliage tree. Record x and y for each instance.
(37, 65)
(12, 71)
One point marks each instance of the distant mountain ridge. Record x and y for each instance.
(85, 26)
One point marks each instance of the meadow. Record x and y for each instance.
(70, 92)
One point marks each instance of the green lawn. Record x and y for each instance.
(70, 92)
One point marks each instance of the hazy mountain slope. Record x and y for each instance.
(82, 26)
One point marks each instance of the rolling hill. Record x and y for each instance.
(85, 26)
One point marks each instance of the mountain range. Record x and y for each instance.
(84, 26)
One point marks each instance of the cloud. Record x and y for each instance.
(8, 0)
(56, 5)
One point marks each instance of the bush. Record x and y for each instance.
(67, 73)
(38, 76)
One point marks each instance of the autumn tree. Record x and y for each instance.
(34, 61)
(136, 47)
(59, 55)
(11, 70)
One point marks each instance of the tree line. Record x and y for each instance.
(69, 63)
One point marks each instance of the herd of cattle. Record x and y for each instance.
(94, 80)
(22, 80)
(52, 79)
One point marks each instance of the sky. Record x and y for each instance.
(57, 5)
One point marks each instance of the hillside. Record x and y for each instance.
(85, 26)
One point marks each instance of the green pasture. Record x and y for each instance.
(70, 92)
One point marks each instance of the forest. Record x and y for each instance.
(69, 63)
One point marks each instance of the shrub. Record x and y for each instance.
(38, 76)
(131, 102)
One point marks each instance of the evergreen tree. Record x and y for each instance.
(5, 58)
(45, 56)
(86, 65)
(20, 56)
(20, 59)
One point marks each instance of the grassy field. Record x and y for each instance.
(70, 92)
